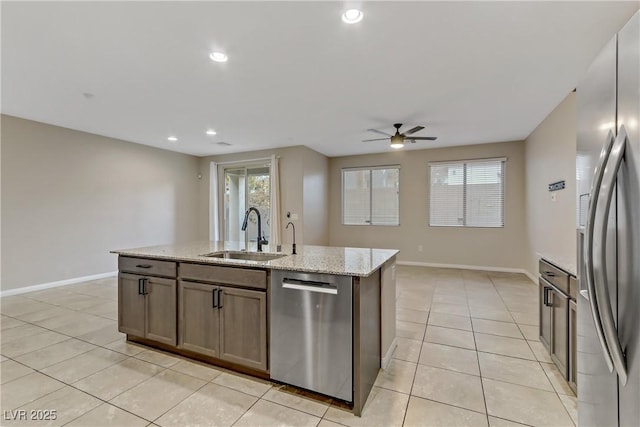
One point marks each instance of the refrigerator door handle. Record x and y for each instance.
(602, 290)
(588, 246)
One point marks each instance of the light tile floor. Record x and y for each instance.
(467, 355)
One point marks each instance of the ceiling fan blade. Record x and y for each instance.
(423, 138)
(379, 131)
(377, 139)
(413, 130)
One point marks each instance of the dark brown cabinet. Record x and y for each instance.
(199, 318)
(243, 327)
(215, 311)
(130, 305)
(545, 314)
(225, 322)
(573, 341)
(559, 350)
(147, 307)
(555, 318)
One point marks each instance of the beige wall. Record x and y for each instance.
(550, 157)
(483, 247)
(69, 197)
(316, 198)
(300, 168)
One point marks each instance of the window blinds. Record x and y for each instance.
(371, 196)
(467, 193)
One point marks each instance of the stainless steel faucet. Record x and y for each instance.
(261, 240)
(294, 236)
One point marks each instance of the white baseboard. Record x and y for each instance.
(49, 285)
(470, 267)
(386, 359)
(533, 278)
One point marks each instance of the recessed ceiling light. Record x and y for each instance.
(172, 138)
(352, 16)
(218, 56)
(211, 132)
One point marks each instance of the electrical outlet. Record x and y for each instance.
(420, 248)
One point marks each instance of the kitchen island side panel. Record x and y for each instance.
(366, 337)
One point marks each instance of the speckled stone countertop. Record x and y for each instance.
(311, 259)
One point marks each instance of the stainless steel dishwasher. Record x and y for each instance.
(311, 332)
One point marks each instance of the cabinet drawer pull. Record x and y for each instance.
(550, 274)
(144, 266)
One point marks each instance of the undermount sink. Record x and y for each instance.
(247, 256)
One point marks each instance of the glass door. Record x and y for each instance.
(245, 187)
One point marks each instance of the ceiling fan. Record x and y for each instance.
(397, 140)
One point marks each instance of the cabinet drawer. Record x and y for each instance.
(224, 275)
(555, 276)
(573, 287)
(151, 267)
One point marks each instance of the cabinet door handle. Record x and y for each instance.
(144, 266)
(140, 286)
(213, 297)
(220, 298)
(144, 286)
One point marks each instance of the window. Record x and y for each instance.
(370, 196)
(246, 186)
(467, 193)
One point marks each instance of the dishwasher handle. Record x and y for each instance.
(307, 285)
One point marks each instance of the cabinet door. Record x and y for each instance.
(160, 307)
(560, 332)
(130, 305)
(573, 341)
(198, 319)
(545, 314)
(243, 327)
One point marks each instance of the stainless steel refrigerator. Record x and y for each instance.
(608, 201)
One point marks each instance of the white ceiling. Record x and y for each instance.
(471, 72)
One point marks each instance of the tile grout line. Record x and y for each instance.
(484, 396)
(415, 373)
(80, 390)
(262, 397)
(182, 400)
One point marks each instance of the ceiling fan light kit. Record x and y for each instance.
(397, 140)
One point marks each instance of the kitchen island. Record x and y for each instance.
(213, 301)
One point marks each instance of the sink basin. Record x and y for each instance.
(247, 256)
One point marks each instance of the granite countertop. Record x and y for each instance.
(360, 262)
